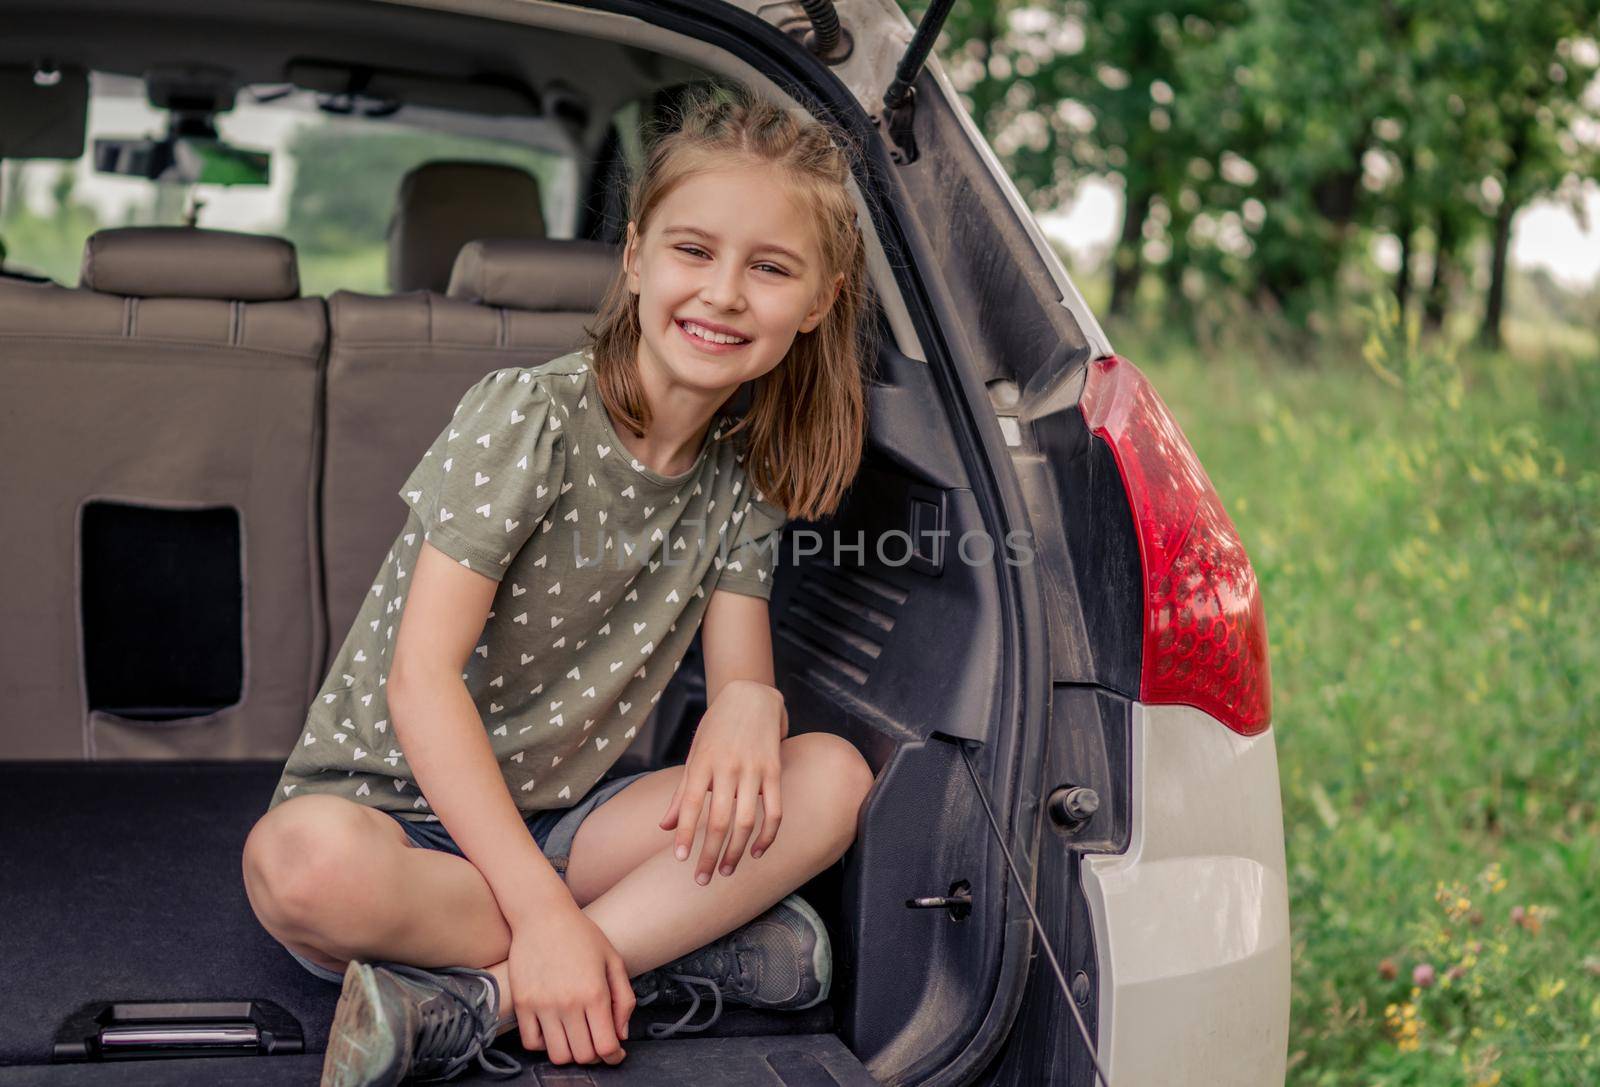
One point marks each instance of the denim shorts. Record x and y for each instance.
(553, 830)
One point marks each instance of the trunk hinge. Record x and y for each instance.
(900, 100)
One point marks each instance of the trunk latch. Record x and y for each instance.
(958, 901)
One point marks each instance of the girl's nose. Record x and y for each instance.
(724, 287)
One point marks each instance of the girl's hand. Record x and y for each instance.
(569, 988)
(734, 755)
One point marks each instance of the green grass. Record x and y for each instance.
(361, 270)
(1426, 529)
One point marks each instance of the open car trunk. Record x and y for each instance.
(122, 875)
(202, 487)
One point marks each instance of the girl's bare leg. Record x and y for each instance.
(647, 902)
(342, 882)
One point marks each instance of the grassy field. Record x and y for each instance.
(1426, 528)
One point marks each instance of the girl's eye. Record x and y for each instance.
(695, 250)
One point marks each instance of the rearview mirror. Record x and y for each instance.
(186, 160)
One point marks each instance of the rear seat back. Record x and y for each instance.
(183, 374)
(441, 206)
(398, 365)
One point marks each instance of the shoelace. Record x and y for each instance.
(718, 964)
(447, 1042)
(688, 981)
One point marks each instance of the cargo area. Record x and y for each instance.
(151, 907)
(123, 879)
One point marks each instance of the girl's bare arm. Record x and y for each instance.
(444, 740)
(736, 641)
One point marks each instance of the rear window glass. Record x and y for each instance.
(333, 181)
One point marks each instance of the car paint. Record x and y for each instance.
(1192, 921)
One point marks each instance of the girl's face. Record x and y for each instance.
(728, 251)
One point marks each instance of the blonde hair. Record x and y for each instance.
(805, 430)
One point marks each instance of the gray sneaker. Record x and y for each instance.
(780, 960)
(395, 1021)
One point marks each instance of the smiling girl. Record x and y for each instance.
(437, 842)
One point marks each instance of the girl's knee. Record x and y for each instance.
(835, 771)
(834, 756)
(299, 854)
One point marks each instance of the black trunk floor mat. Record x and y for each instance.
(122, 881)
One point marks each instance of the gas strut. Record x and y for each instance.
(1044, 938)
(900, 100)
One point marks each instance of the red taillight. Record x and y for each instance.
(1205, 632)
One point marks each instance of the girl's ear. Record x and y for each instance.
(814, 318)
(630, 253)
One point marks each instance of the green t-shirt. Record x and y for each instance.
(605, 570)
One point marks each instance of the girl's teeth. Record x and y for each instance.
(707, 334)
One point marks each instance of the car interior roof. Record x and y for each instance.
(258, 40)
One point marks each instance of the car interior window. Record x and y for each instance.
(605, 208)
(331, 188)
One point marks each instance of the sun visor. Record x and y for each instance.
(42, 117)
(482, 94)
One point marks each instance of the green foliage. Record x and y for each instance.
(1262, 143)
(1425, 523)
(52, 244)
(365, 269)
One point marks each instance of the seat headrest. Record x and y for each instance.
(562, 275)
(442, 206)
(187, 262)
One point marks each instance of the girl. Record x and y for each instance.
(568, 532)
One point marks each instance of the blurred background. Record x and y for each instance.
(1355, 247)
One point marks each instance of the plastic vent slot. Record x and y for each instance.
(841, 617)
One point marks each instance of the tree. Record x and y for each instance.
(1536, 80)
(1087, 88)
(1262, 143)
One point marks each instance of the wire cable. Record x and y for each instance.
(1027, 899)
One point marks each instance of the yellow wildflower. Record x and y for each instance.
(1405, 1025)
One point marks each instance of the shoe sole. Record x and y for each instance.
(359, 1014)
(821, 952)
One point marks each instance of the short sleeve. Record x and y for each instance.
(492, 473)
(753, 550)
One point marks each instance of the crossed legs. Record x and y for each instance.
(334, 880)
